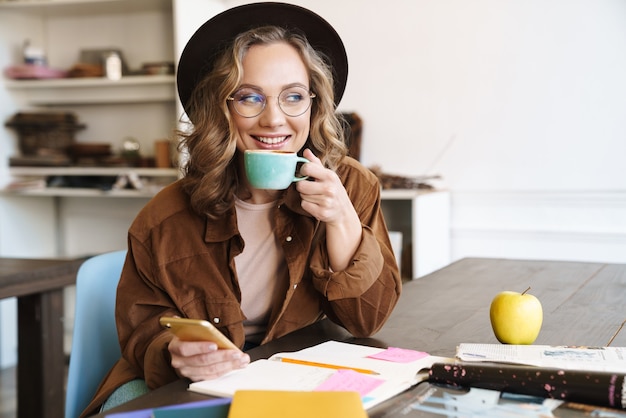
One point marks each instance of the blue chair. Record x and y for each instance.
(95, 346)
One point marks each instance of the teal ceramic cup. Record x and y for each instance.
(274, 170)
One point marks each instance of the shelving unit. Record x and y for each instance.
(65, 222)
(139, 106)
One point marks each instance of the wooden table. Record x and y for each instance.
(38, 286)
(584, 304)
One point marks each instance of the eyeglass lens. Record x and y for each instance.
(293, 101)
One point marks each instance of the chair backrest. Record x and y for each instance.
(95, 346)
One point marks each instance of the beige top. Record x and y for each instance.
(261, 267)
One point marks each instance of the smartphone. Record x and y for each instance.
(196, 330)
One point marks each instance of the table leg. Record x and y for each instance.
(41, 360)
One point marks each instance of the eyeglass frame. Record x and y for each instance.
(311, 96)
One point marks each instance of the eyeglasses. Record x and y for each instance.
(293, 101)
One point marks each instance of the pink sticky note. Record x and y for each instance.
(349, 380)
(399, 355)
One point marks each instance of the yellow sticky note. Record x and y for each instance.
(289, 404)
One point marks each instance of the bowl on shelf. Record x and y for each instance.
(90, 154)
(79, 150)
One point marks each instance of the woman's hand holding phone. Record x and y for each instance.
(202, 360)
(201, 352)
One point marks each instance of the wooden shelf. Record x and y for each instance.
(45, 8)
(34, 181)
(91, 171)
(146, 192)
(402, 194)
(72, 91)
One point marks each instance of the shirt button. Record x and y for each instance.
(216, 320)
(294, 286)
(288, 239)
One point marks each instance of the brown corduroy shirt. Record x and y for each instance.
(181, 263)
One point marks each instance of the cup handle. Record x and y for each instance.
(301, 160)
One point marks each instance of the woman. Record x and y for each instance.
(256, 263)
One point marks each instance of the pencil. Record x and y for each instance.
(328, 366)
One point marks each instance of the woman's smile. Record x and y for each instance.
(272, 140)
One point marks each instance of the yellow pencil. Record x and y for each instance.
(328, 366)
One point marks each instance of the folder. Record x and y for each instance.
(289, 404)
(210, 408)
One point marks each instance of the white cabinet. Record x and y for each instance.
(423, 218)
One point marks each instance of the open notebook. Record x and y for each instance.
(376, 374)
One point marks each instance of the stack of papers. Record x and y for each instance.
(376, 374)
(602, 359)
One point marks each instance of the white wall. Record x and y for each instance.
(525, 91)
(519, 104)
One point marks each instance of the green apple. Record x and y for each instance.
(516, 318)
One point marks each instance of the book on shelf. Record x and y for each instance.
(377, 374)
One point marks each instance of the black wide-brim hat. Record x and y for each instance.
(216, 34)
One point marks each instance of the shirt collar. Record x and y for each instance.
(225, 228)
